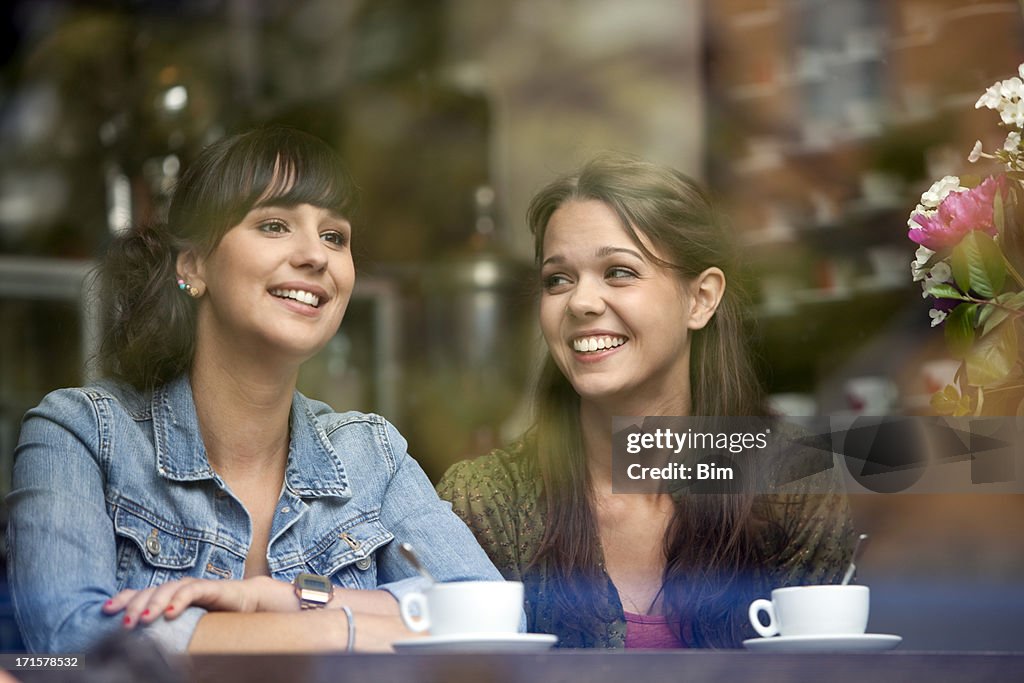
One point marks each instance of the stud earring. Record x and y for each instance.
(188, 288)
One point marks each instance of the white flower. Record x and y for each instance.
(975, 152)
(1005, 96)
(922, 255)
(941, 272)
(990, 99)
(1011, 88)
(937, 316)
(1012, 113)
(934, 195)
(917, 266)
(1012, 143)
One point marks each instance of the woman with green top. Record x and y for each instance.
(640, 318)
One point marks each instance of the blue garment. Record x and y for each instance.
(112, 489)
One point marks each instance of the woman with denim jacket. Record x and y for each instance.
(184, 494)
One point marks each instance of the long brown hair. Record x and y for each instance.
(710, 545)
(150, 324)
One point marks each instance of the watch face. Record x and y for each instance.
(312, 582)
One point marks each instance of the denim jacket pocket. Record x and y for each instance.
(348, 553)
(151, 550)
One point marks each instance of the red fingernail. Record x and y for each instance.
(127, 620)
(108, 603)
(145, 613)
(170, 608)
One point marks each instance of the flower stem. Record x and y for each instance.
(1009, 267)
(992, 302)
(1008, 387)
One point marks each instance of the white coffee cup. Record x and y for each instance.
(812, 610)
(463, 607)
(872, 395)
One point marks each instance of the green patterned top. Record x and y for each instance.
(498, 495)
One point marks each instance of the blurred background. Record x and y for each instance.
(816, 123)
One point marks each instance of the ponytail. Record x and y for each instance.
(149, 322)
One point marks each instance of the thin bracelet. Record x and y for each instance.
(351, 628)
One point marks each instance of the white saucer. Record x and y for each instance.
(865, 642)
(480, 642)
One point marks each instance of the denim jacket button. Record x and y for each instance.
(363, 563)
(153, 543)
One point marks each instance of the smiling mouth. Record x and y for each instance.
(299, 295)
(598, 343)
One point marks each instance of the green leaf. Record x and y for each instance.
(992, 359)
(1011, 240)
(990, 313)
(993, 315)
(998, 214)
(960, 329)
(988, 267)
(948, 401)
(944, 291)
(978, 265)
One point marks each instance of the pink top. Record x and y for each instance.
(651, 631)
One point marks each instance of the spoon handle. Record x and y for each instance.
(858, 548)
(410, 555)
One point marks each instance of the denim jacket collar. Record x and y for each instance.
(314, 468)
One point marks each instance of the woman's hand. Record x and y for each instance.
(257, 594)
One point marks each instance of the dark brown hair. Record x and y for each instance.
(150, 324)
(710, 544)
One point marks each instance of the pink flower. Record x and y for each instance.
(959, 213)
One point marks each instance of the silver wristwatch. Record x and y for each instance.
(313, 591)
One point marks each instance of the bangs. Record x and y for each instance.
(269, 167)
(303, 178)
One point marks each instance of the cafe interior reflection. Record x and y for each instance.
(816, 123)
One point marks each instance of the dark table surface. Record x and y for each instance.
(576, 666)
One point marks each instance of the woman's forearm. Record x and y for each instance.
(321, 630)
(370, 602)
(261, 614)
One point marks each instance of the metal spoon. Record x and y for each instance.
(858, 548)
(410, 555)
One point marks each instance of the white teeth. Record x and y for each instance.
(590, 344)
(298, 295)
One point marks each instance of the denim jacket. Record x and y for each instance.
(112, 489)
